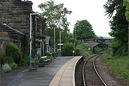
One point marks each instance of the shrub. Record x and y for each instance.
(119, 48)
(24, 61)
(67, 49)
(48, 54)
(2, 56)
(83, 50)
(33, 63)
(13, 65)
(121, 51)
(77, 52)
(100, 47)
(14, 52)
(5, 59)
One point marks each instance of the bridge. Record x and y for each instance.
(94, 42)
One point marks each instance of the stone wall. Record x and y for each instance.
(16, 13)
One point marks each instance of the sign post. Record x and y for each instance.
(60, 44)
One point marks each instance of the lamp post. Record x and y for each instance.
(30, 52)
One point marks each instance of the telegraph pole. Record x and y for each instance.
(60, 43)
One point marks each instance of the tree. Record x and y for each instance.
(112, 5)
(126, 3)
(56, 18)
(83, 30)
(119, 26)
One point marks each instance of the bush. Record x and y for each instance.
(33, 63)
(5, 59)
(48, 54)
(77, 52)
(14, 52)
(121, 51)
(67, 49)
(24, 61)
(119, 48)
(100, 47)
(13, 65)
(83, 50)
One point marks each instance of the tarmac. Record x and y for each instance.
(44, 75)
(41, 77)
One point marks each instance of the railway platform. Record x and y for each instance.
(61, 72)
(41, 77)
(66, 75)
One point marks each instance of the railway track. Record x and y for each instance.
(91, 76)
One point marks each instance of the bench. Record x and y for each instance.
(44, 61)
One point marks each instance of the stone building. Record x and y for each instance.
(16, 13)
(15, 20)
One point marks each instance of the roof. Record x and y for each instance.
(10, 30)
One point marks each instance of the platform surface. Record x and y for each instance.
(65, 76)
(44, 75)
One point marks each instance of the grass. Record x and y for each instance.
(83, 49)
(120, 65)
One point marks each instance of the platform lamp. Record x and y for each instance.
(30, 53)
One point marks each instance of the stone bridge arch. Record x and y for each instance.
(91, 43)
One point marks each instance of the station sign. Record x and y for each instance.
(60, 44)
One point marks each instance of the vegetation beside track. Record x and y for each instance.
(83, 49)
(119, 64)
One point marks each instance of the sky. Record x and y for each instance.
(91, 10)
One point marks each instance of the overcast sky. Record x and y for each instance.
(92, 10)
